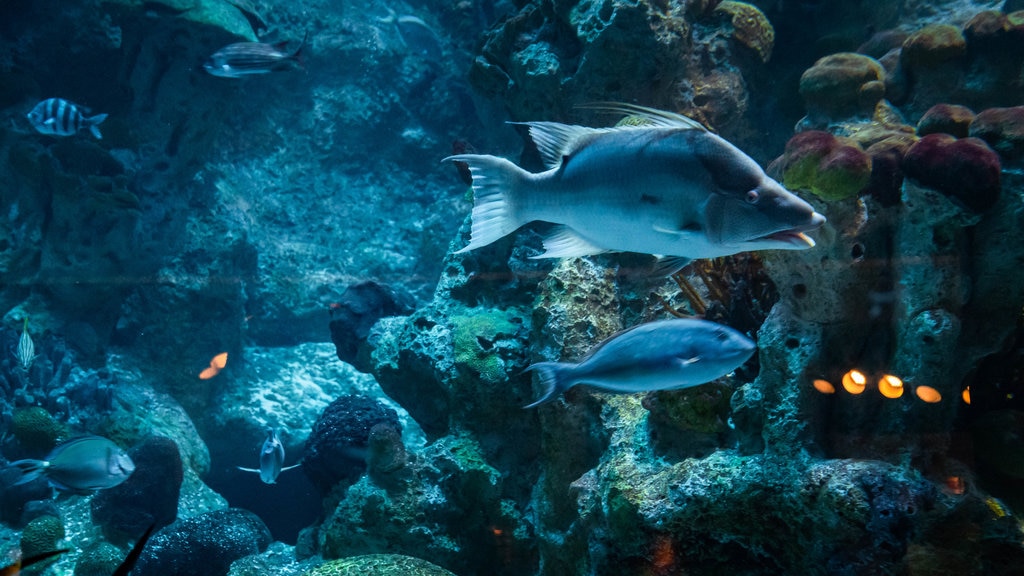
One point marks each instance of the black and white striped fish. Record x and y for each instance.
(247, 58)
(59, 117)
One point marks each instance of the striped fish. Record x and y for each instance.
(26, 348)
(59, 117)
(247, 58)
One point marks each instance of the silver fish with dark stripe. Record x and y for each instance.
(247, 58)
(58, 117)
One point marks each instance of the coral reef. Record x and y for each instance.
(840, 85)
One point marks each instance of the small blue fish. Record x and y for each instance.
(271, 459)
(662, 355)
(58, 117)
(85, 463)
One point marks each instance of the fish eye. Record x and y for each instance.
(753, 197)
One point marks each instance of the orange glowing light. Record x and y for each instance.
(890, 386)
(208, 373)
(928, 394)
(966, 395)
(824, 386)
(854, 381)
(219, 361)
(955, 485)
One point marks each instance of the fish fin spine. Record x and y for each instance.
(552, 378)
(555, 140)
(496, 185)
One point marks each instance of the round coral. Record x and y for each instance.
(950, 119)
(966, 170)
(41, 535)
(36, 430)
(750, 27)
(1002, 129)
(842, 84)
(829, 167)
(933, 45)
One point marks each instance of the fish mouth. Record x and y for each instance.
(792, 237)
(795, 236)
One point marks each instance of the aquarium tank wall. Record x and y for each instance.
(512, 287)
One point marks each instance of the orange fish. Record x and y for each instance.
(216, 365)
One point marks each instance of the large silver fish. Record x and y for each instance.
(249, 58)
(271, 459)
(661, 355)
(85, 463)
(666, 187)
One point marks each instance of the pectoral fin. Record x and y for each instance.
(247, 469)
(564, 242)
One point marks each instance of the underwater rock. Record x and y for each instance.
(206, 544)
(452, 510)
(829, 167)
(842, 85)
(1003, 130)
(98, 559)
(213, 13)
(336, 447)
(886, 170)
(951, 119)
(357, 310)
(378, 565)
(278, 559)
(966, 170)
(148, 498)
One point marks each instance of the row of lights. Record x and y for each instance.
(890, 386)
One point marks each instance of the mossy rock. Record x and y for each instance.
(41, 535)
(844, 83)
(475, 339)
(36, 430)
(216, 13)
(830, 168)
(933, 45)
(379, 565)
(750, 27)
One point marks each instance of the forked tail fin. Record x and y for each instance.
(496, 183)
(553, 377)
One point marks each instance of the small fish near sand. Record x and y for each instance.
(661, 355)
(271, 459)
(84, 463)
(251, 58)
(59, 117)
(664, 185)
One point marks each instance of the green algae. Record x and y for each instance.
(379, 565)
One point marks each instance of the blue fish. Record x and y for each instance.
(58, 117)
(662, 355)
(84, 463)
(271, 459)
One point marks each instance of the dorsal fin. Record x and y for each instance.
(555, 140)
(653, 116)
